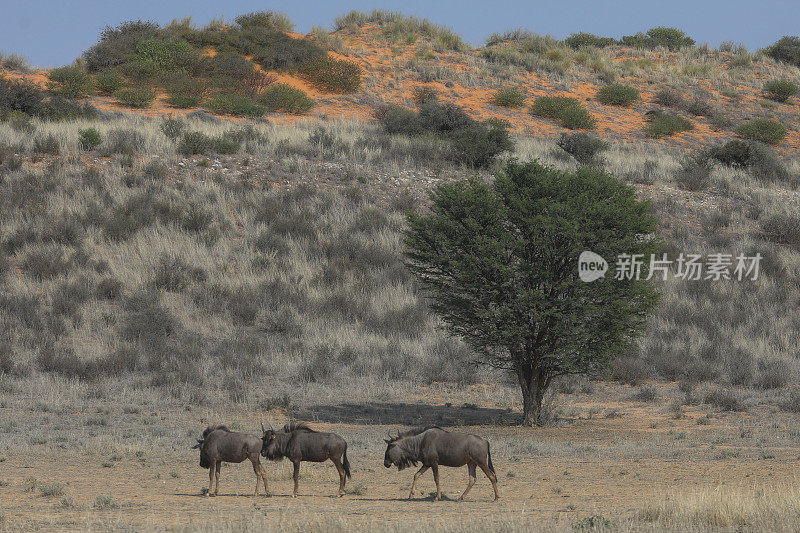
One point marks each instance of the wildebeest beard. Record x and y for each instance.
(410, 449)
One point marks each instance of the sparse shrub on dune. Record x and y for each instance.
(70, 81)
(670, 38)
(185, 92)
(782, 228)
(617, 94)
(582, 146)
(136, 97)
(786, 49)
(89, 138)
(568, 111)
(118, 44)
(757, 157)
(234, 104)
(661, 124)
(283, 97)
(332, 75)
(266, 19)
(781, 90)
(509, 98)
(108, 81)
(763, 130)
(581, 40)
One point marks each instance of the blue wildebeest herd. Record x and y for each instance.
(431, 447)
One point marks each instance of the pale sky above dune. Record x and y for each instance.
(54, 32)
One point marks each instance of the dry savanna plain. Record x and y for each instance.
(204, 225)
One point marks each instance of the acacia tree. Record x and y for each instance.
(499, 263)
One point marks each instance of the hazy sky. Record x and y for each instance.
(54, 32)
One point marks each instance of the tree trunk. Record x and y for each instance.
(533, 384)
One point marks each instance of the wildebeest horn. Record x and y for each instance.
(262, 427)
(270, 425)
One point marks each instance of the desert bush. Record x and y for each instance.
(274, 50)
(421, 95)
(726, 400)
(582, 146)
(195, 143)
(326, 39)
(137, 97)
(70, 81)
(566, 110)
(283, 97)
(647, 393)
(397, 119)
(173, 128)
(671, 38)
(630, 370)
(763, 130)
(617, 94)
(266, 19)
(759, 158)
(169, 55)
(694, 174)
(669, 98)
(108, 81)
(123, 141)
(118, 45)
(781, 90)
(786, 49)
(25, 97)
(104, 503)
(666, 124)
(185, 92)
(479, 144)
(332, 75)
(46, 144)
(584, 40)
(174, 274)
(89, 138)
(773, 373)
(14, 62)
(782, 228)
(49, 490)
(509, 98)
(792, 403)
(233, 104)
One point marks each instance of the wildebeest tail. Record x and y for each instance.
(489, 457)
(345, 462)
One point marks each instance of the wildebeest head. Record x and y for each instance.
(269, 446)
(396, 454)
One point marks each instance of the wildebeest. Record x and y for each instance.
(298, 442)
(221, 444)
(433, 446)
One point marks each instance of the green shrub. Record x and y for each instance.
(581, 39)
(185, 92)
(195, 143)
(283, 97)
(509, 98)
(167, 54)
(582, 146)
(89, 138)
(671, 38)
(567, 110)
(759, 158)
(274, 50)
(617, 94)
(172, 127)
(227, 143)
(666, 124)
(786, 49)
(397, 119)
(70, 81)
(479, 144)
(118, 45)
(234, 104)
(694, 174)
(184, 101)
(123, 141)
(138, 97)
(763, 130)
(669, 98)
(265, 19)
(332, 75)
(780, 90)
(108, 81)
(782, 228)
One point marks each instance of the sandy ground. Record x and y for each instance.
(594, 464)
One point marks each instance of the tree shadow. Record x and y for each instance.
(384, 413)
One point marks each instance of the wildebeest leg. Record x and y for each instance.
(435, 468)
(263, 473)
(414, 483)
(338, 464)
(492, 478)
(296, 477)
(216, 475)
(210, 479)
(471, 469)
(257, 472)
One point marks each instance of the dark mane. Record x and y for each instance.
(414, 432)
(209, 429)
(297, 426)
